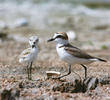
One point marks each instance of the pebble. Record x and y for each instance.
(21, 22)
(71, 35)
(3, 25)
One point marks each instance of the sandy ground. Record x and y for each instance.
(92, 28)
(12, 73)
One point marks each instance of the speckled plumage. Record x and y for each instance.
(29, 55)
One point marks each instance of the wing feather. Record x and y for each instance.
(25, 53)
(77, 52)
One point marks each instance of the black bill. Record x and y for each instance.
(52, 39)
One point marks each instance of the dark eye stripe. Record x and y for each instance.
(59, 36)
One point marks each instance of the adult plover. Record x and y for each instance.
(71, 54)
(29, 55)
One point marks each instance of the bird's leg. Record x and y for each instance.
(30, 69)
(69, 72)
(85, 68)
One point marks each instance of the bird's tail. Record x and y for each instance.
(101, 59)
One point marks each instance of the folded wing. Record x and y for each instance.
(77, 52)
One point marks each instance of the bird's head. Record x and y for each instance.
(33, 41)
(60, 37)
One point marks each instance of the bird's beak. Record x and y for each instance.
(52, 39)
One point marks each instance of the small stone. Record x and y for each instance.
(21, 22)
(3, 35)
(107, 98)
(105, 80)
(91, 83)
(71, 35)
(3, 25)
(14, 70)
(11, 94)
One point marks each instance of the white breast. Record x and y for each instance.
(33, 54)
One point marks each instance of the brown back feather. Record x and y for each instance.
(77, 52)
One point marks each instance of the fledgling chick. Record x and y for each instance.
(29, 55)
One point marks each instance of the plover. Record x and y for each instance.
(29, 55)
(72, 54)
